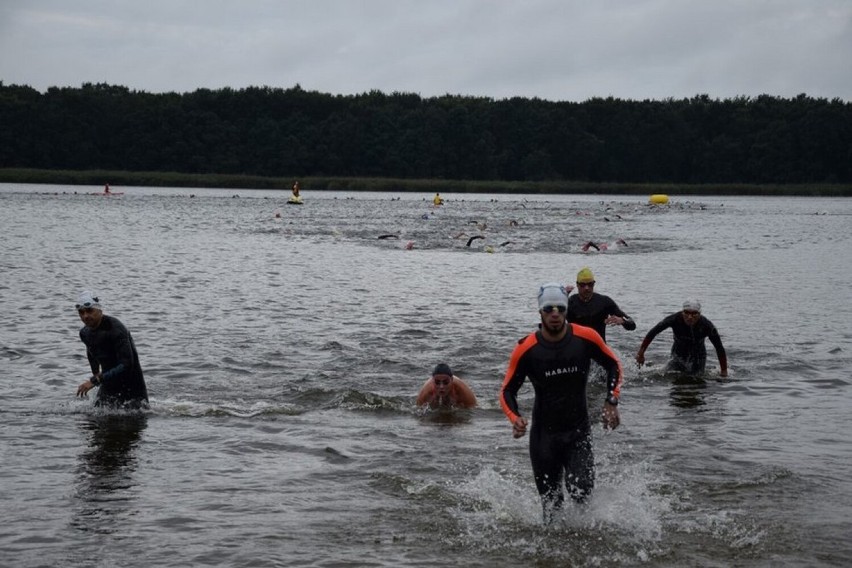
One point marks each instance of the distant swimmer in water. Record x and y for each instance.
(601, 246)
(445, 390)
(690, 329)
(473, 238)
(437, 200)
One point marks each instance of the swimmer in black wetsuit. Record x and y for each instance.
(112, 358)
(556, 359)
(690, 328)
(595, 310)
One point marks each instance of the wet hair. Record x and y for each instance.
(442, 369)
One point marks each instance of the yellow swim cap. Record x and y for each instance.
(585, 275)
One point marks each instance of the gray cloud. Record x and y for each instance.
(552, 49)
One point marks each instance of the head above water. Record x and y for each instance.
(552, 294)
(89, 309)
(442, 369)
(87, 300)
(585, 276)
(442, 377)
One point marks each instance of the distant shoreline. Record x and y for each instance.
(330, 183)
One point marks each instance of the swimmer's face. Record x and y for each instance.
(585, 290)
(91, 317)
(690, 317)
(442, 384)
(553, 318)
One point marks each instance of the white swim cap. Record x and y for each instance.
(552, 294)
(692, 305)
(87, 299)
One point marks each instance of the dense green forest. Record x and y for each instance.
(290, 133)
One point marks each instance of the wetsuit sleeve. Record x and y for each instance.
(614, 310)
(654, 332)
(605, 357)
(93, 363)
(515, 376)
(716, 340)
(124, 353)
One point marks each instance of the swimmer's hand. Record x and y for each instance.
(614, 320)
(640, 358)
(611, 418)
(519, 427)
(84, 388)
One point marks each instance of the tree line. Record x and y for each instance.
(263, 131)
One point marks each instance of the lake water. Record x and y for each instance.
(283, 355)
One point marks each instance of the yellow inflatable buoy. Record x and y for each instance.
(659, 199)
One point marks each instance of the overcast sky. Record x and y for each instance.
(551, 49)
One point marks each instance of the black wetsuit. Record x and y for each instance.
(594, 312)
(111, 351)
(560, 437)
(689, 355)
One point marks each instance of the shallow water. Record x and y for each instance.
(283, 355)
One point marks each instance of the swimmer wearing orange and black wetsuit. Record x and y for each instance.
(556, 359)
